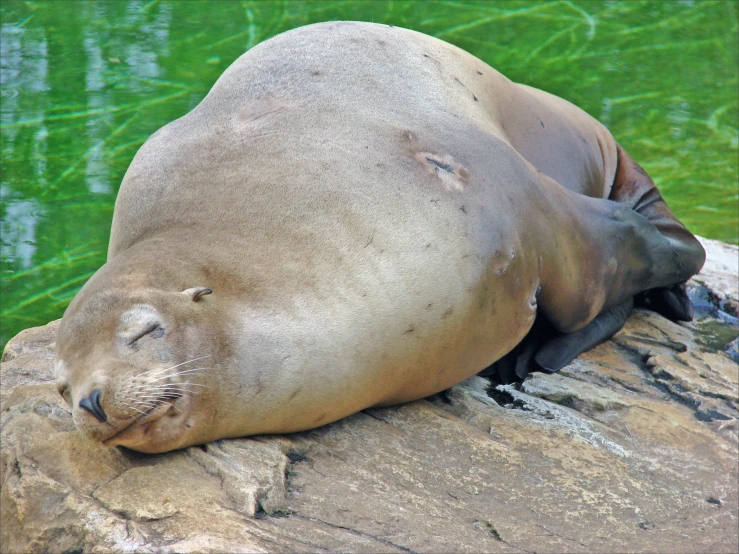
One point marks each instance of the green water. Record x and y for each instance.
(84, 83)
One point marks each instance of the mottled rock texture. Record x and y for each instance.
(633, 447)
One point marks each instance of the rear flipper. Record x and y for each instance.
(633, 187)
(546, 349)
(671, 302)
(625, 251)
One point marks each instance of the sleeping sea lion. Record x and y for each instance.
(357, 215)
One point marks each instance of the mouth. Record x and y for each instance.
(143, 423)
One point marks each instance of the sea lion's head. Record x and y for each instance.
(134, 366)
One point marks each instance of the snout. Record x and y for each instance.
(92, 404)
(93, 412)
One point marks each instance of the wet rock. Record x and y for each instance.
(714, 289)
(632, 447)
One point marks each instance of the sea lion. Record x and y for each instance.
(355, 215)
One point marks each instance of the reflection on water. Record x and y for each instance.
(84, 83)
(18, 228)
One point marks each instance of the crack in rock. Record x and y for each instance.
(252, 473)
(565, 419)
(356, 532)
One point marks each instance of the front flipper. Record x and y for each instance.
(548, 350)
(560, 350)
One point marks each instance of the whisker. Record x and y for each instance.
(172, 386)
(154, 401)
(145, 404)
(170, 375)
(153, 379)
(149, 408)
(193, 360)
(157, 397)
(160, 374)
(156, 381)
(160, 393)
(174, 366)
(159, 388)
(187, 370)
(143, 400)
(143, 397)
(162, 382)
(173, 394)
(133, 408)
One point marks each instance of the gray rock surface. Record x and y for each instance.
(632, 447)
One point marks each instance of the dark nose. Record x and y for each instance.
(92, 404)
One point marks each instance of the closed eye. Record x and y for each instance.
(156, 331)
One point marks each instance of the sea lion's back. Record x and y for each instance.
(347, 106)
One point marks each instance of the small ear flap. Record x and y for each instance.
(197, 292)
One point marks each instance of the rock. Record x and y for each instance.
(714, 288)
(632, 447)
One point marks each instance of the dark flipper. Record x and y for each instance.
(639, 249)
(671, 302)
(633, 187)
(561, 350)
(517, 364)
(546, 349)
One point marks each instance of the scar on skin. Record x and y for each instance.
(257, 108)
(474, 97)
(447, 169)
